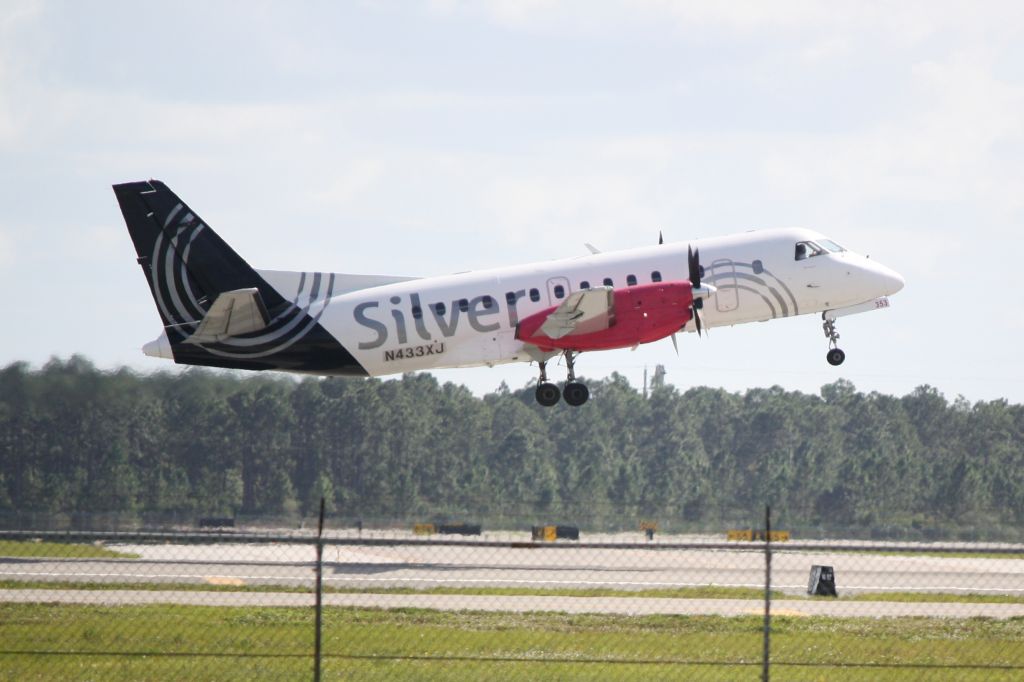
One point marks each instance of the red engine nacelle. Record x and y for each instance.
(642, 314)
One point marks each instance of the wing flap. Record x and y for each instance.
(233, 313)
(583, 312)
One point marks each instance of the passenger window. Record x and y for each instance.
(439, 307)
(559, 291)
(463, 305)
(488, 302)
(757, 267)
(608, 282)
(584, 284)
(630, 280)
(534, 295)
(417, 312)
(655, 276)
(510, 298)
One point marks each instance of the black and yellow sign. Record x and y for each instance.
(751, 535)
(552, 533)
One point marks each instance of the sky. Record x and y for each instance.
(424, 138)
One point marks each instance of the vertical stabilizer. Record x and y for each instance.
(189, 268)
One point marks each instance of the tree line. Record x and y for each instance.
(76, 441)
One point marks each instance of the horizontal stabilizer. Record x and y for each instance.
(233, 313)
(584, 312)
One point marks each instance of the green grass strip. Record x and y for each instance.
(967, 554)
(50, 642)
(709, 592)
(58, 550)
(933, 597)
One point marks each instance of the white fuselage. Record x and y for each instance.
(394, 325)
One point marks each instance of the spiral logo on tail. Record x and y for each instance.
(183, 307)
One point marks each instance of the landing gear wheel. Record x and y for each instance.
(548, 394)
(835, 357)
(575, 393)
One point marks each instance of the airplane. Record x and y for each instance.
(218, 311)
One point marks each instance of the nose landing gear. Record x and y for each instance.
(835, 355)
(575, 392)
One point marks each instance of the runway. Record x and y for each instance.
(420, 567)
(523, 565)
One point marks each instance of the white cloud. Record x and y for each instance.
(7, 252)
(904, 23)
(93, 244)
(122, 118)
(555, 208)
(15, 17)
(16, 13)
(353, 180)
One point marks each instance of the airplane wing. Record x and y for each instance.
(233, 313)
(583, 312)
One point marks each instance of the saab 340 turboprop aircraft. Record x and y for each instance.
(218, 311)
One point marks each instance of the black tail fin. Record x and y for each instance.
(187, 266)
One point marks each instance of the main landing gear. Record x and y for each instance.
(835, 356)
(575, 393)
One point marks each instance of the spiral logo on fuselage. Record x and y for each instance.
(778, 299)
(183, 307)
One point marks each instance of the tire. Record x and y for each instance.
(835, 357)
(576, 393)
(548, 394)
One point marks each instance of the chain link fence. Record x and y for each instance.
(415, 604)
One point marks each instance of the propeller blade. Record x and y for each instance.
(675, 344)
(693, 260)
(696, 321)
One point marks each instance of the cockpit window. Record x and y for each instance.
(831, 245)
(808, 250)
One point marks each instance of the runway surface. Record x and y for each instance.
(560, 566)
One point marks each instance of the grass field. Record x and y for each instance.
(58, 550)
(51, 642)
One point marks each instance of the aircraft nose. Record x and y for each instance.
(891, 280)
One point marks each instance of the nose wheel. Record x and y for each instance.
(575, 393)
(835, 355)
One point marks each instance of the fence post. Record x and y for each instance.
(767, 592)
(319, 592)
